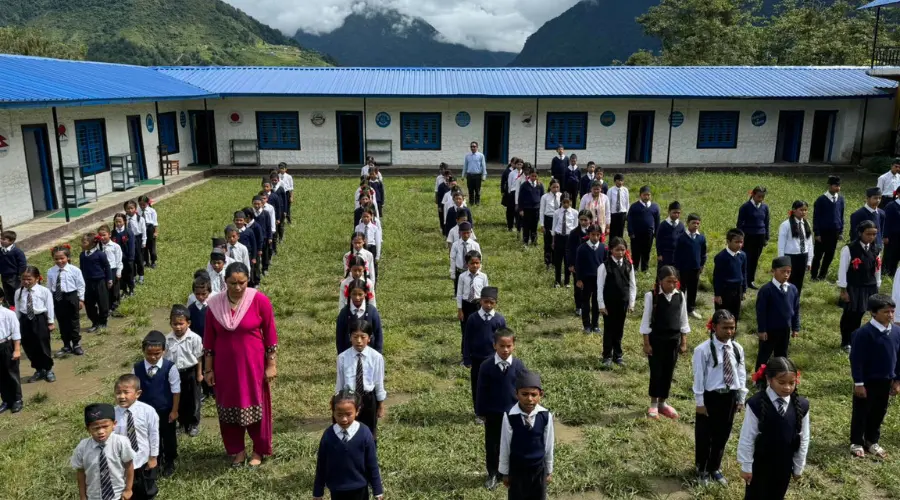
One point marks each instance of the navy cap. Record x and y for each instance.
(489, 292)
(783, 261)
(98, 411)
(465, 226)
(873, 192)
(528, 379)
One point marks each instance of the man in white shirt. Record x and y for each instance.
(475, 171)
(888, 182)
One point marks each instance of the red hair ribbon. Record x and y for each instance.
(756, 377)
(790, 213)
(346, 291)
(628, 257)
(798, 378)
(878, 263)
(856, 262)
(750, 192)
(97, 239)
(677, 285)
(709, 325)
(603, 238)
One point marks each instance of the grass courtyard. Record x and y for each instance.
(429, 447)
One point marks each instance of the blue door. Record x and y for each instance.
(790, 136)
(639, 144)
(496, 137)
(36, 136)
(350, 138)
(136, 141)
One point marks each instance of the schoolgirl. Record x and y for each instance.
(588, 259)
(138, 227)
(616, 294)
(572, 179)
(368, 167)
(358, 269)
(565, 220)
(67, 285)
(98, 278)
(151, 220)
(513, 180)
(859, 277)
(891, 233)
(287, 182)
(365, 202)
(358, 308)
(114, 255)
(123, 237)
(753, 221)
(361, 369)
(377, 185)
(358, 249)
(504, 182)
(34, 308)
(365, 188)
(372, 231)
(795, 241)
(665, 328)
(576, 238)
(550, 203)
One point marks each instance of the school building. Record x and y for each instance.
(71, 131)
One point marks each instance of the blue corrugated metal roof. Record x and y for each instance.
(36, 81)
(764, 82)
(879, 3)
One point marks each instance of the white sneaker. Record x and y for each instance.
(696, 315)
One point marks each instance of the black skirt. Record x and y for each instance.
(859, 297)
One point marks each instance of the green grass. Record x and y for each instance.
(429, 446)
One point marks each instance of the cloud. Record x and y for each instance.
(499, 25)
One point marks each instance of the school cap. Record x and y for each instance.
(873, 192)
(489, 292)
(98, 411)
(529, 380)
(218, 242)
(266, 179)
(779, 262)
(644, 189)
(465, 226)
(217, 254)
(896, 161)
(834, 180)
(180, 310)
(674, 206)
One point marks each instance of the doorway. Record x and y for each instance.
(822, 140)
(136, 145)
(40, 167)
(790, 136)
(496, 137)
(203, 137)
(350, 137)
(639, 145)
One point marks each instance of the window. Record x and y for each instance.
(91, 138)
(168, 132)
(717, 129)
(568, 129)
(279, 130)
(420, 131)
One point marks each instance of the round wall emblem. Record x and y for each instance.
(607, 118)
(758, 118)
(463, 119)
(235, 118)
(676, 119)
(383, 119)
(317, 119)
(149, 123)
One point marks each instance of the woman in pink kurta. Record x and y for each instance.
(240, 343)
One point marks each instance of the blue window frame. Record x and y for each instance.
(168, 132)
(278, 130)
(568, 129)
(717, 130)
(90, 136)
(420, 131)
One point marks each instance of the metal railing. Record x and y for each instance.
(886, 56)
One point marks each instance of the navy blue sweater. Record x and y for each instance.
(584, 185)
(642, 220)
(342, 331)
(666, 238)
(504, 180)
(729, 271)
(13, 262)
(450, 221)
(259, 232)
(265, 222)
(125, 239)
(277, 203)
(95, 266)
(777, 310)
(588, 260)
(378, 186)
(690, 253)
(478, 341)
(874, 355)
(892, 220)
(496, 391)
(198, 319)
(572, 179)
(576, 238)
(828, 215)
(863, 214)
(752, 220)
(558, 167)
(347, 466)
(248, 239)
(530, 196)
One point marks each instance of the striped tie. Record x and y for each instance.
(360, 386)
(106, 487)
(780, 405)
(345, 435)
(529, 421)
(727, 368)
(29, 307)
(132, 434)
(58, 293)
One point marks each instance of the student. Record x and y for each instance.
(373, 234)
(114, 255)
(358, 308)
(495, 395)
(616, 294)
(453, 235)
(12, 265)
(378, 186)
(588, 259)
(888, 183)
(185, 349)
(441, 188)
(598, 176)
(216, 270)
(875, 369)
(478, 338)
(123, 237)
(197, 315)
(514, 179)
(247, 237)
(274, 219)
(528, 201)
(263, 220)
(34, 309)
(859, 277)
(690, 259)
(571, 180)
(236, 250)
(559, 164)
(576, 239)
(892, 234)
(138, 423)
(67, 285)
(347, 460)
(259, 236)
(667, 235)
(795, 241)
(357, 272)
(584, 184)
(775, 433)
(287, 181)
(370, 164)
(777, 313)
(507, 196)
(828, 228)
(753, 221)
(273, 199)
(459, 251)
(447, 200)
(138, 227)
(361, 369)
(10, 353)
(151, 220)
(665, 328)
(527, 442)
(618, 206)
(364, 203)
(565, 220)
(469, 287)
(104, 461)
(870, 211)
(550, 203)
(161, 389)
(504, 181)
(358, 249)
(598, 204)
(720, 386)
(730, 275)
(452, 213)
(643, 219)
(98, 278)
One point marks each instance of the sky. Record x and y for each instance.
(501, 25)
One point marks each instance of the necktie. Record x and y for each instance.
(106, 488)
(345, 435)
(152, 371)
(471, 287)
(565, 223)
(529, 421)
(132, 434)
(618, 200)
(727, 369)
(360, 386)
(802, 238)
(231, 252)
(29, 308)
(780, 405)
(504, 366)
(58, 293)
(221, 282)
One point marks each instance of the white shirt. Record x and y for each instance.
(372, 195)
(587, 203)
(149, 215)
(370, 262)
(466, 284)
(565, 221)
(217, 280)
(138, 226)
(174, 377)
(287, 180)
(750, 430)
(351, 430)
(9, 325)
(844, 266)
(601, 283)
(41, 302)
(888, 183)
(550, 203)
(782, 286)
(342, 300)
(506, 438)
(613, 195)
(87, 457)
(359, 312)
(272, 222)
(146, 428)
(373, 371)
(238, 253)
(114, 255)
(788, 245)
(498, 359)
(711, 378)
(453, 235)
(458, 254)
(70, 277)
(514, 180)
(186, 351)
(373, 236)
(648, 311)
(437, 182)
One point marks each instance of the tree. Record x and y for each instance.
(30, 42)
(817, 33)
(640, 58)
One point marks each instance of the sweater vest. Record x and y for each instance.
(155, 391)
(526, 447)
(862, 273)
(666, 322)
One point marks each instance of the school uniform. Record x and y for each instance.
(558, 166)
(468, 300)
(876, 216)
(370, 263)
(276, 199)
(373, 240)
(439, 192)
(187, 352)
(217, 279)
(892, 233)
(452, 217)
(372, 195)
(495, 394)
(68, 288)
(720, 385)
(347, 464)
(158, 390)
(238, 253)
(151, 221)
(888, 182)
(34, 309)
(138, 227)
(378, 186)
(126, 241)
(753, 220)
(665, 320)
(643, 219)
(287, 182)
(577, 237)
(667, 234)
(526, 452)
(859, 273)
(797, 248)
(571, 181)
(12, 265)
(447, 203)
(773, 443)
(874, 365)
(584, 184)
(778, 315)
(113, 456)
(588, 259)
(550, 203)
(274, 220)
(139, 425)
(599, 208)
(528, 201)
(689, 260)
(504, 184)
(478, 343)
(97, 276)
(363, 371)
(247, 238)
(344, 291)
(513, 180)
(458, 259)
(342, 331)
(453, 236)
(828, 226)
(730, 280)
(114, 255)
(564, 222)
(616, 292)
(10, 382)
(618, 209)
(266, 225)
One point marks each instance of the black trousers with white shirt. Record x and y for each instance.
(368, 412)
(529, 225)
(823, 253)
(776, 345)
(189, 404)
(473, 374)
(617, 225)
(559, 258)
(36, 341)
(548, 240)
(640, 251)
(468, 309)
(868, 413)
(798, 269)
(690, 282)
(68, 319)
(10, 384)
(11, 283)
(712, 431)
(493, 425)
(96, 301)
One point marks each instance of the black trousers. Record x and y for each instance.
(777, 345)
(891, 256)
(617, 225)
(590, 311)
(753, 247)
(823, 254)
(149, 253)
(529, 225)
(614, 330)
(868, 413)
(640, 251)
(189, 405)
(139, 256)
(512, 217)
(573, 193)
(144, 487)
(10, 384)
(662, 364)
(493, 423)
(373, 249)
(368, 412)
(113, 293)
(548, 240)
(11, 283)
(690, 282)
(560, 263)
(770, 480)
(440, 210)
(850, 321)
(68, 319)
(96, 301)
(577, 294)
(473, 375)
(280, 229)
(168, 438)
(267, 255)
(468, 309)
(288, 203)
(527, 483)
(731, 300)
(885, 200)
(126, 283)
(798, 270)
(36, 341)
(473, 182)
(360, 494)
(712, 430)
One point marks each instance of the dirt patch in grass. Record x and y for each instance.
(567, 434)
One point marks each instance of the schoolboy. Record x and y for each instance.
(588, 258)
(139, 424)
(777, 313)
(161, 389)
(584, 185)
(274, 199)
(104, 461)
(287, 181)
(572, 179)
(828, 227)
(527, 442)
(559, 163)
(667, 235)
(528, 203)
(730, 275)
(876, 375)
(598, 176)
(459, 251)
(376, 184)
(10, 352)
(12, 265)
(368, 227)
(360, 358)
(236, 250)
(458, 207)
(478, 337)
(274, 220)
(690, 259)
(468, 294)
(495, 395)
(453, 235)
(216, 270)
(643, 219)
(185, 349)
(870, 211)
(619, 201)
(267, 225)
(247, 237)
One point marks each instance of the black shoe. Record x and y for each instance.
(49, 376)
(16, 407)
(78, 351)
(491, 482)
(153, 266)
(193, 431)
(168, 470)
(752, 286)
(93, 328)
(38, 375)
(3, 407)
(65, 351)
